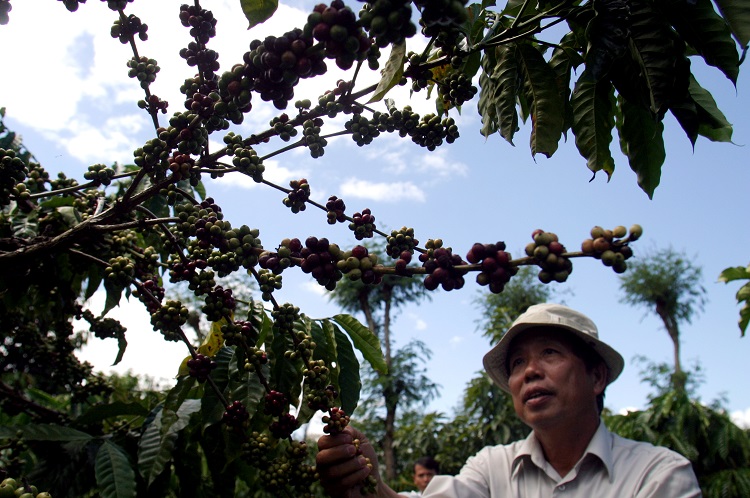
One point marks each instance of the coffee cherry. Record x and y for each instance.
(363, 224)
(236, 415)
(200, 367)
(126, 28)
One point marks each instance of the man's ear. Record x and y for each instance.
(600, 373)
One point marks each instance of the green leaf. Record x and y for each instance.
(593, 106)
(641, 140)
(212, 406)
(95, 277)
(286, 372)
(702, 28)
(565, 58)
(175, 398)
(122, 344)
(655, 48)
(114, 294)
(546, 111)
(364, 340)
(499, 87)
(115, 477)
(712, 123)
(258, 11)
(49, 432)
(734, 273)
(97, 413)
(331, 351)
(392, 73)
(56, 202)
(737, 15)
(350, 384)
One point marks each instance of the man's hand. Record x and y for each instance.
(342, 464)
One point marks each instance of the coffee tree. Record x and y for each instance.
(266, 368)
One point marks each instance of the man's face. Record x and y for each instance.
(422, 476)
(550, 385)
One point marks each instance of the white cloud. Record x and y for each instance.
(147, 351)
(274, 173)
(456, 339)
(419, 323)
(381, 191)
(314, 288)
(741, 418)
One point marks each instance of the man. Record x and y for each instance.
(425, 468)
(556, 369)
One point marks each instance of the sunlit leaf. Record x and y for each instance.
(593, 106)
(258, 11)
(97, 413)
(712, 123)
(350, 383)
(737, 14)
(392, 73)
(364, 340)
(499, 87)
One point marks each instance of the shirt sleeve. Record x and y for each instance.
(471, 482)
(673, 477)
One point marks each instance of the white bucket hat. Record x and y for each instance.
(556, 316)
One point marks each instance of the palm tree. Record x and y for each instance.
(666, 283)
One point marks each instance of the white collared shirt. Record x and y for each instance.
(611, 467)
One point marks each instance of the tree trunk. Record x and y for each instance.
(388, 453)
(390, 404)
(678, 377)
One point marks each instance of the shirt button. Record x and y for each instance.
(561, 487)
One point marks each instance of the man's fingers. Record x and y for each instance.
(346, 474)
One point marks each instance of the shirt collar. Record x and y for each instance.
(599, 446)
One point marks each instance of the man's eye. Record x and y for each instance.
(515, 362)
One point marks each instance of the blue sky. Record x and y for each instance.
(75, 106)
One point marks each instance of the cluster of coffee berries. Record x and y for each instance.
(180, 166)
(103, 328)
(239, 332)
(321, 399)
(19, 488)
(283, 128)
(246, 160)
(169, 318)
(255, 360)
(143, 69)
(204, 58)
(276, 403)
(388, 21)
(440, 265)
(419, 75)
(276, 65)
(219, 304)
(337, 27)
(456, 88)
(316, 375)
(298, 196)
(431, 131)
(201, 22)
(441, 16)
(115, 5)
(287, 475)
(126, 28)
(399, 241)
(362, 129)
(5, 8)
(284, 317)
(281, 260)
(548, 254)
(370, 484)
(335, 421)
(154, 104)
(200, 367)
(311, 137)
(610, 246)
(283, 427)
(190, 139)
(120, 271)
(495, 262)
(236, 415)
(358, 264)
(268, 282)
(363, 224)
(319, 258)
(258, 446)
(235, 90)
(12, 172)
(152, 156)
(335, 208)
(150, 293)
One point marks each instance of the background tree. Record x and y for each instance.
(667, 284)
(404, 384)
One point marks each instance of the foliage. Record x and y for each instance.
(265, 367)
(743, 294)
(717, 448)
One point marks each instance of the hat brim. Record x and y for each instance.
(495, 360)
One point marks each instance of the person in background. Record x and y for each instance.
(425, 469)
(556, 370)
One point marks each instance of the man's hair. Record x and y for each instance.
(429, 463)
